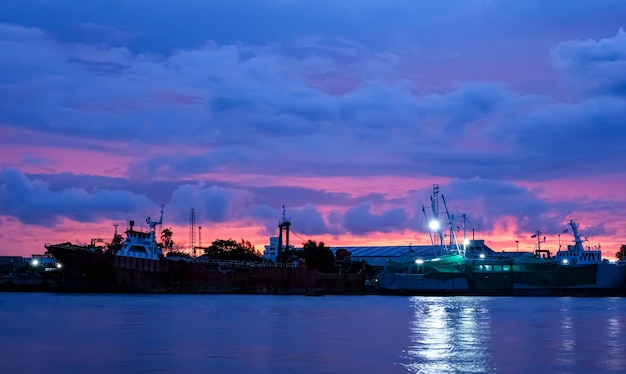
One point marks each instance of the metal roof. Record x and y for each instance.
(379, 255)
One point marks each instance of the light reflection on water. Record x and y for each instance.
(516, 335)
(50, 333)
(566, 353)
(448, 335)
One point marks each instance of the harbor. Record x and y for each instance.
(458, 267)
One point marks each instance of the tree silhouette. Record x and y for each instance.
(116, 243)
(166, 238)
(318, 256)
(232, 250)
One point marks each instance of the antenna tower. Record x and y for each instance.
(200, 236)
(192, 230)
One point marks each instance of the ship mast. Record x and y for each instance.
(539, 240)
(430, 233)
(451, 224)
(153, 225)
(283, 224)
(578, 241)
(434, 225)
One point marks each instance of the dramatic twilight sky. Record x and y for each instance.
(346, 112)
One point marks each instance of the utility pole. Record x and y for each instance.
(192, 230)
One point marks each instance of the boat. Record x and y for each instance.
(139, 265)
(467, 269)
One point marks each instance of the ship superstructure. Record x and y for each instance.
(141, 244)
(462, 269)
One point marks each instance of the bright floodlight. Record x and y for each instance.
(565, 261)
(466, 242)
(35, 262)
(419, 261)
(59, 265)
(434, 225)
(482, 255)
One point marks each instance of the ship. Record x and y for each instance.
(140, 266)
(466, 269)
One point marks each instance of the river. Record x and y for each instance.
(79, 333)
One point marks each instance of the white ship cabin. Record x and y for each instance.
(576, 254)
(270, 252)
(585, 257)
(140, 244)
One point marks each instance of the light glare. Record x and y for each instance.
(434, 225)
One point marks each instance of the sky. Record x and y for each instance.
(346, 113)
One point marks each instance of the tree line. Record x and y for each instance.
(315, 255)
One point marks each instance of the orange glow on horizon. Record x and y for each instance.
(32, 238)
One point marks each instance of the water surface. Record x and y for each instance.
(61, 333)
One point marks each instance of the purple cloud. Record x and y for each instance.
(596, 67)
(32, 201)
(359, 220)
(396, 91)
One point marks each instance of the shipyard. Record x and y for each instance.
(460, 266)
(313, 186)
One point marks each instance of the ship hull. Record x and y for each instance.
(89, 271)
(456, 276)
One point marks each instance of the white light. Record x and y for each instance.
(419, 261)
(59, 265)
(482, 255)
(565, 262)
(35, 263)
(434, 225)
(466, 242)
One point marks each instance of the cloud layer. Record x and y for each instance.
(104, 116)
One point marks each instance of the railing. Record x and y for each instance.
(235, 263)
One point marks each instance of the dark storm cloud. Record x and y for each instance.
(212, 203)
(561, 140)
(158, 191)
(311, 89)
(359, 220)
(32, 202)
(299, 196)
(308, 221)
(488, 203)
(597, 67)
(261, 113)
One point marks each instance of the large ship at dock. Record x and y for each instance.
(462, 268)
(140, 266)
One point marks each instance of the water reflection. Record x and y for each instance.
(289, 334)
(448, 335)
(487, 335)
(615, 332)
(567, 334)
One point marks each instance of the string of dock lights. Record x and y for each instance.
(35, 263)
